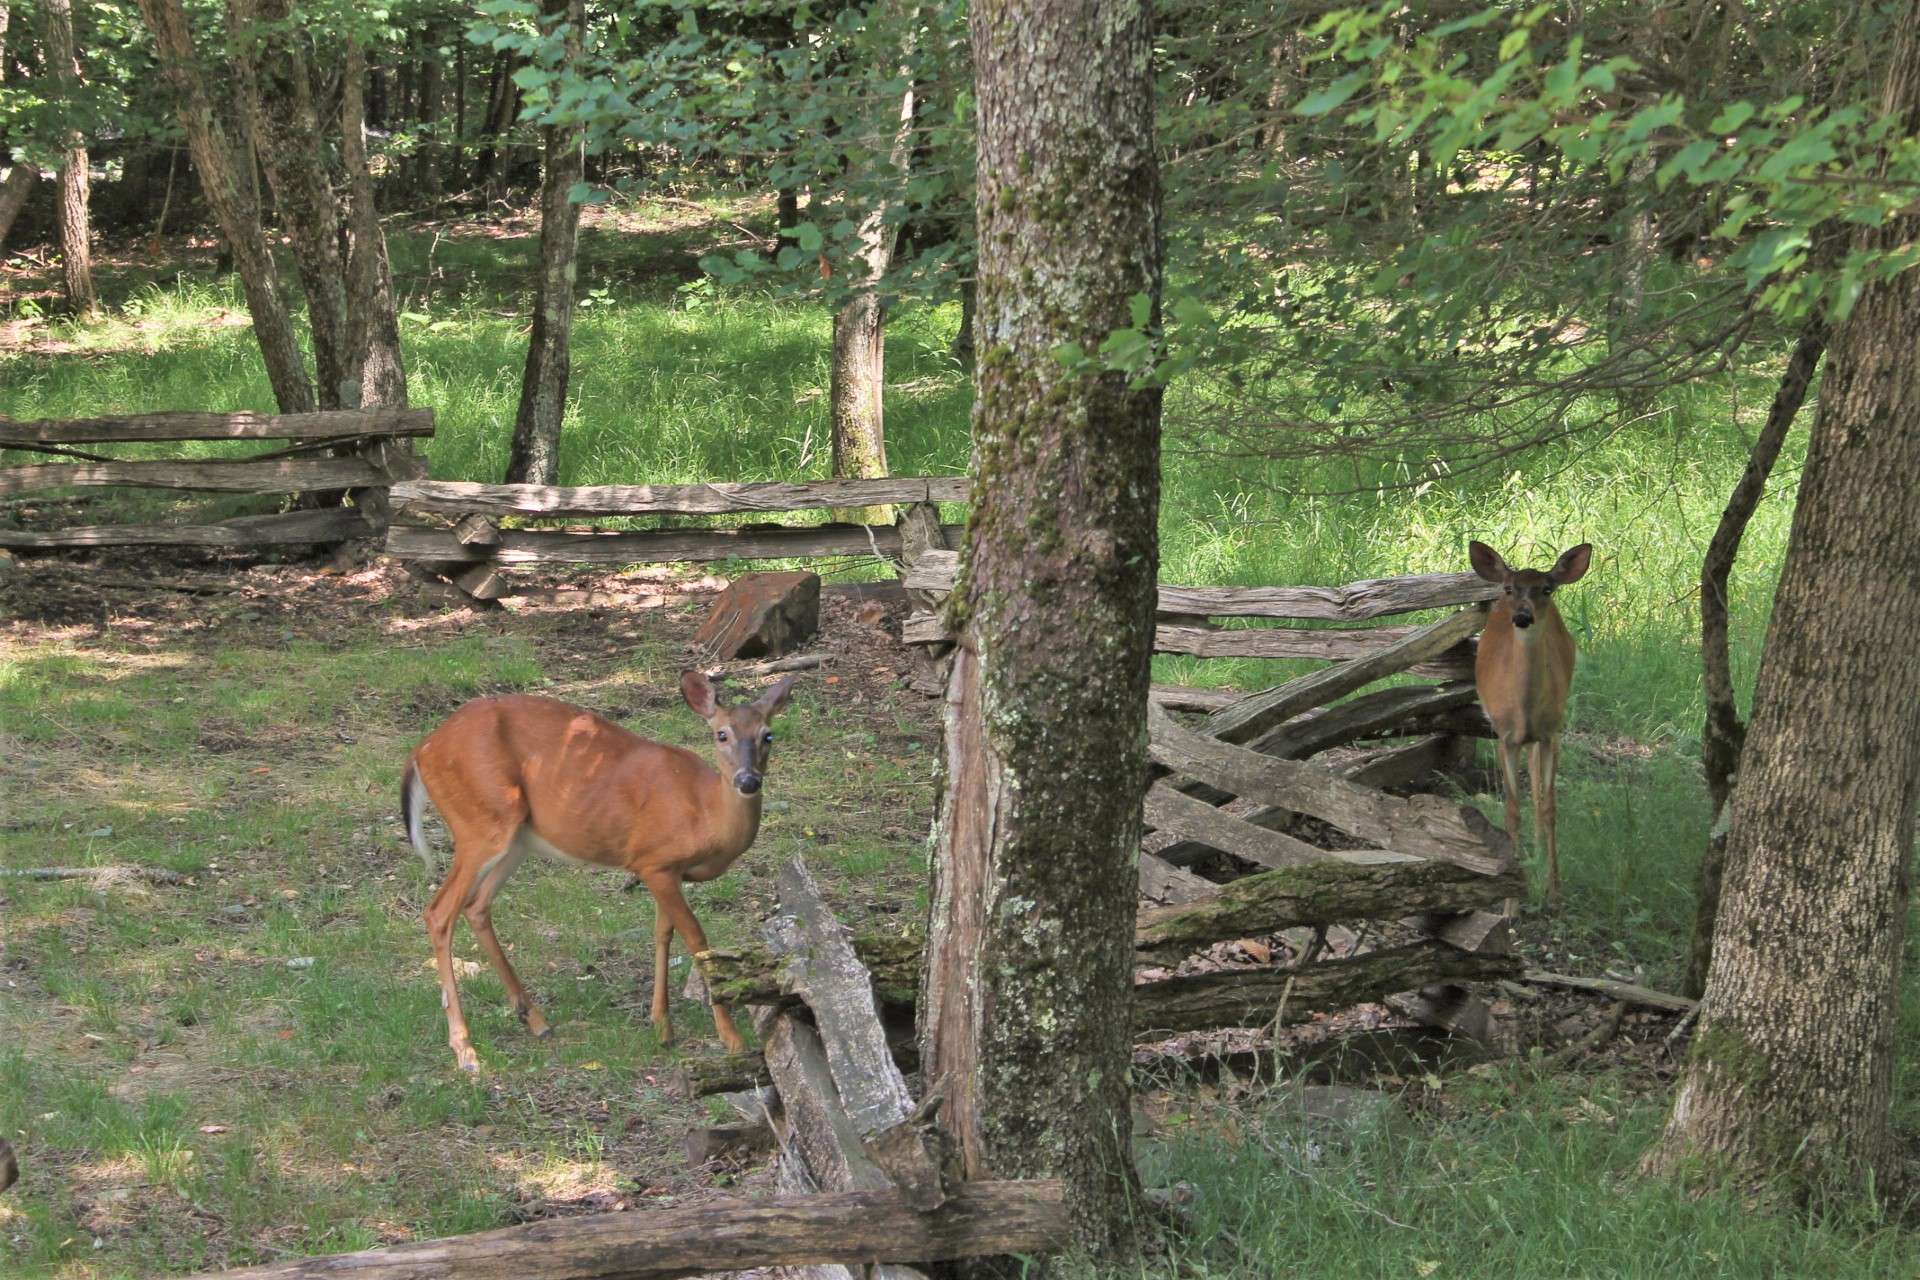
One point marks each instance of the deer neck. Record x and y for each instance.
(736, 820)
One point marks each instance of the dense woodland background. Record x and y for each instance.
(1532, 275)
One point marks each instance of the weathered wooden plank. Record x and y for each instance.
(1355, 602)
(649, 546)
(1396, 766)
(1369, 715)
(1253, 716)
(1285, 996)
(1165, 884)
(982, 1219)
(729, 1073)
(1167, 809)
(819, 965)
(1180, 697)
(331, 524)
(1426, 826)
(326, 425)
(1631, 992)
(1314, 894)
(275, 475)
(672, 499)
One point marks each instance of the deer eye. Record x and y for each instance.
(1546, 591)
(767, 737)
(720, 736)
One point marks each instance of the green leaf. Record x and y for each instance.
(1318, 104)
(1140, 307)
(1731, 117)
(806, 235)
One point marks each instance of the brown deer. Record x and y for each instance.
(517, 775)
(1523, 671)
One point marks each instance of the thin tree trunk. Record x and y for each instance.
(459, 105)
(963, 342)
(857, 384)
(378, 375)
(276, 90)
(1027, 1000)
(426, 156)
(234, 204)
(535, 457)
(76, 250)
(1791, 1069)
(1724, 733)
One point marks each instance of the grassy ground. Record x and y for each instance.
(197, 1101)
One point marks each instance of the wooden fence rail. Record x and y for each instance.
(135, 427)
(671, 499)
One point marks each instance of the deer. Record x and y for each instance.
(524, 774)
(1523, 672)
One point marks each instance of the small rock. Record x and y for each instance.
(300, 962)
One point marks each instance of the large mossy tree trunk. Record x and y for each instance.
(535, 458)
(1027, 999)
(226, 180)
(1791, 1069)
(76, 247)
(1724, 732)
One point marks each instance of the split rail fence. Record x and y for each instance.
(363, 462)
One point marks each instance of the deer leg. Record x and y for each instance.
(662, 952)
(479, 915)
(672, 906)
(1543, 764)
(440, 915)
(1510, 789)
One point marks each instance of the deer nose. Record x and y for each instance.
(746, 782)
(1523, 620)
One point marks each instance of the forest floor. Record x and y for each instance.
(251, 1063)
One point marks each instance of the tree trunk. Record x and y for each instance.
(76, 251)
(535, 458)
(230, 193)
(1791, 1068)
(426, 155)
(377, 376)
(859, 375)
(1026, 1011)
(963, 348)
(276, 91)
(1723, 734)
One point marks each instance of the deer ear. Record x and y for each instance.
(774, 700)
(1572, 564)
(1487, 563)
(698, 691)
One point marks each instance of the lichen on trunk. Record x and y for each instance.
(1026, 1012)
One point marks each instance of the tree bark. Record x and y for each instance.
(276, 91)
(535, 457)
(229, 191)
(1026, 1009)
(857, 384)
(377, 377)
(1791, 1069)
(76, 250)
(1724, 733)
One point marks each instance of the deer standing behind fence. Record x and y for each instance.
(1523, 671)
(520, 774)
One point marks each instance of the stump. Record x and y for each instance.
(762, 615)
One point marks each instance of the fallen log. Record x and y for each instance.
(849, 1227)
(1286, 996)
(1314, 894)
(1631, 992)
(729, 1073)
